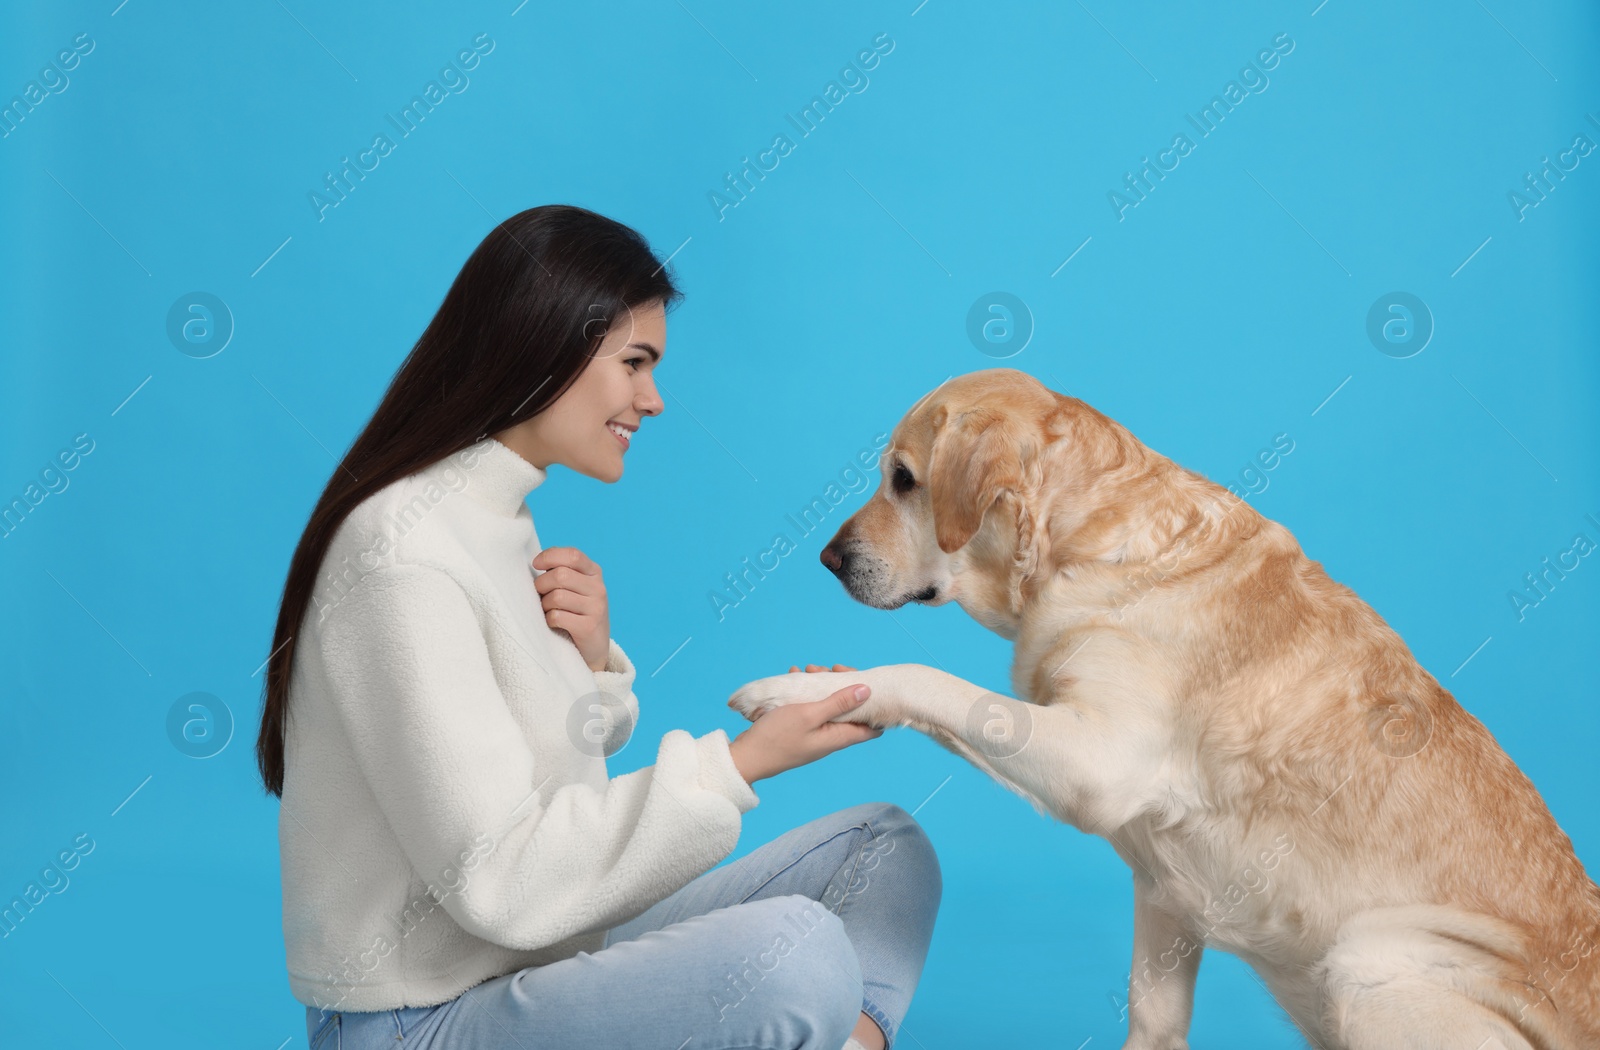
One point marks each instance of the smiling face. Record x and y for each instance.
(589, 428)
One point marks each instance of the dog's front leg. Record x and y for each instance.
(1166, 960)
(1092, 769)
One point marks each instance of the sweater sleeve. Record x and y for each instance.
(616, 681)
(433, 737)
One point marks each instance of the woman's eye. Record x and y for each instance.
(903, 481)
(635, 361)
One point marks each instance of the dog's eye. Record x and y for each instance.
(902, 479)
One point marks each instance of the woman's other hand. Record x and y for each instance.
(573, 595)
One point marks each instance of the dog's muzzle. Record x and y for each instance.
(864, 577)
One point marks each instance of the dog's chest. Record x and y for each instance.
(1241, 898)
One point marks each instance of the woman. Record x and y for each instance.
(458, 869)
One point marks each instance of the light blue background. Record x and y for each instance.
(1221, 311)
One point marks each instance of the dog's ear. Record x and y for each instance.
(975, 457)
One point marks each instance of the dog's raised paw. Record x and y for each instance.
(754, 699)
(747, 702)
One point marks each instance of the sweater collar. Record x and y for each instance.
(495, 477)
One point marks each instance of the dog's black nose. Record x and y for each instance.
(835, 558)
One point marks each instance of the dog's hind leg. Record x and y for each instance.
(1166, 961)
(1430, 978)
(1418, 1014)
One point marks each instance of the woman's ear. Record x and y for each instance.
(975, 457)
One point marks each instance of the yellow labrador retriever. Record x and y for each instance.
(1286, 782)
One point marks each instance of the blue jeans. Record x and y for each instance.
(782, 949)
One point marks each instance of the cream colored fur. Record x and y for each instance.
(1282, 777)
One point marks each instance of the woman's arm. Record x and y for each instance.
(616, 681)
(433, 738)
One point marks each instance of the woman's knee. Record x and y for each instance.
(897, 837)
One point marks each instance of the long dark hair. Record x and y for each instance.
(521, 320)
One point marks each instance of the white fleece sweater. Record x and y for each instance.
(446, 816)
